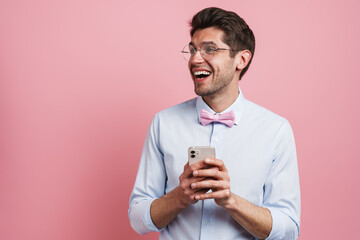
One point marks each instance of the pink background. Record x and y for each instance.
(81, 80)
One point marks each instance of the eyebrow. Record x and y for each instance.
(204, 43)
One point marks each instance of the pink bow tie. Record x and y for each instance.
(227, 118)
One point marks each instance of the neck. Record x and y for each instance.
(221, 101)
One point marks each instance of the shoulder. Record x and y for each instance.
(182, 109)
(259, 115)
(269, 125)
(260, 111)
(182, 113)
(177, 119)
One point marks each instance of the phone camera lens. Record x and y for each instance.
(192, 156)
(192, 152)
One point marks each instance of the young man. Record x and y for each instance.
(253, 182)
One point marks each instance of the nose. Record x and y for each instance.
(196, 58)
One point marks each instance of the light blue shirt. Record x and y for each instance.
(258, 151)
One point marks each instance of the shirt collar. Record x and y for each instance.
(237, 107)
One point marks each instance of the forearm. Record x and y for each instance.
(163, 210)
(256, 220)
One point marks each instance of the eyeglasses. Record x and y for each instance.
(206, 51)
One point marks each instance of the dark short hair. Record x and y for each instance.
(238, 35)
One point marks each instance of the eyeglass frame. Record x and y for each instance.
(202, 53)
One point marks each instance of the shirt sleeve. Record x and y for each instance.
(282, 188)
(149, 183)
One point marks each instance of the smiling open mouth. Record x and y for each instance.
(201, 74)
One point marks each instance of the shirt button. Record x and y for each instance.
(207, 222)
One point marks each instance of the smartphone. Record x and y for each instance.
(199, 153)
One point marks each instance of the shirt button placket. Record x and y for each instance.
(206, 231)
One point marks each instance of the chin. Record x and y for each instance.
(203, 92)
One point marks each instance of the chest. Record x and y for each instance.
(247, 154)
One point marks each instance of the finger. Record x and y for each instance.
(211, 184)
(199, 193)
(191, 193)
(188, 170)
(188, 192)
(199, 165)
(212, 167)
(212, 173)
(216, 162)
(186, 165)
(214, 195)
(186, 181)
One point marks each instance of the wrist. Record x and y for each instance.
(176, 199)
(231, 203)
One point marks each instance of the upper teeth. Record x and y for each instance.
(202, 72)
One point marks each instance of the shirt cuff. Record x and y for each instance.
(278, 224)
(283, 227)
(140, 217)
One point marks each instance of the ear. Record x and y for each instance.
(243, 59)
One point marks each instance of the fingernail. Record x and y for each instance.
(197, 197)
(193, 185)
(208, 160)
(195, 173)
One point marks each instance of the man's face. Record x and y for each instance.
(213, 75)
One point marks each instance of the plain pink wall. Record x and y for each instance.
(81, 80)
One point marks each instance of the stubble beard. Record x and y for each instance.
(217, 84)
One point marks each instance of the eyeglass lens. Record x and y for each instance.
(206, 52)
